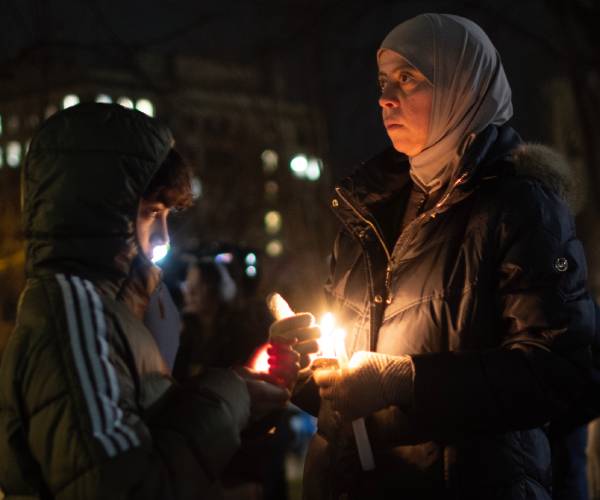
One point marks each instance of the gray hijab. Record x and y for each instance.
(470, 89)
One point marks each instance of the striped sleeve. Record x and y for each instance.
(90, 349)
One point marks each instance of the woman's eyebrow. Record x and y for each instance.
(399, 69)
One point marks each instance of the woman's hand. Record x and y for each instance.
(372, 382)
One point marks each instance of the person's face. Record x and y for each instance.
(151, 225)
(405, 102)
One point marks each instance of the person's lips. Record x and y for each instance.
(389, 125)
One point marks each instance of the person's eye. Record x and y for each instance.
(406, 78)
(152, 213)
(381, 85)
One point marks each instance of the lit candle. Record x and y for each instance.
(332, 355)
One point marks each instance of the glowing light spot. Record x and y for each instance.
(159, 252)
(251, 271)
(299, 164)
(270, 161)
(224, 258)
(196, 188)
(13, 154)
(332, 343)
(274, 248)
(125, 102)
(70, 100)
(145, 106)
(313, 169)
(260, 360)
(326, 342)
(106, 99)
(273, 222)
(250, 259)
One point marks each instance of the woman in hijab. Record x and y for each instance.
(461, 284)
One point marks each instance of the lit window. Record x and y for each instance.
(145, 106)
(274, 248)
(106, 99)
(70, 100)
(270, 161)
(250, 259)
(125, 102)
(196, 188)
(13, 154)
(299, 165)
(50, 110)
(313, 169)
(272, 222)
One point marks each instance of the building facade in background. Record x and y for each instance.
(261, 181)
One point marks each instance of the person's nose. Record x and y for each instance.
(160, 232)
(388, 99)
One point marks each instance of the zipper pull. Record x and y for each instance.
(388, 284)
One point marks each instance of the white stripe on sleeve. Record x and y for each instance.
(84, 377)
(97, 373)
(109, 368)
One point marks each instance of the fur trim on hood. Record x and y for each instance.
(551, 168)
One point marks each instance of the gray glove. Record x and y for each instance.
(372, 382)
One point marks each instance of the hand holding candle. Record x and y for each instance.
(292, 340)
(334, 362)
(371, 382)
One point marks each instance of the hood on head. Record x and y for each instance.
(82, 180)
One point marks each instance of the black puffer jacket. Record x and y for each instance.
(487, 291)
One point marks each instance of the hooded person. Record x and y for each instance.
(461, 284)
(87, 406)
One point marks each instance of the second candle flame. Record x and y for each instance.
(332, 341)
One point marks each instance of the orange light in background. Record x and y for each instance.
(260, 360)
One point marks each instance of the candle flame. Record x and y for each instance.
(332, 341)
(260, 359)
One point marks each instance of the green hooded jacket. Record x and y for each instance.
(87, 407)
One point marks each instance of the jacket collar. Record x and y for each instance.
(488, 156)
(378, 179)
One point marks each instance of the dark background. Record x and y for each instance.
(323, 51)
(318, 56)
